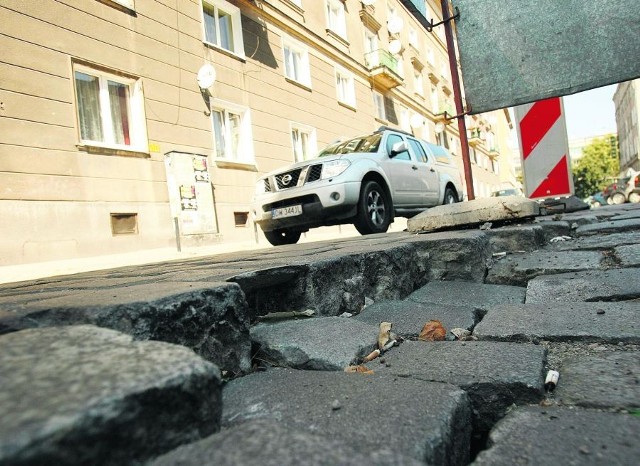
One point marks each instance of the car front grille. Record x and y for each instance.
(288, 179)
(314, 173)
(267, 185)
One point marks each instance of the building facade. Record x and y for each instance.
(627, 103)
(134, 124)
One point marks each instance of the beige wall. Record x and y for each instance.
(56, 199)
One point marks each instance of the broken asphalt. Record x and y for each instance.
(193, 362)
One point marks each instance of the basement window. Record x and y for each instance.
(241, 218)
(124, 224)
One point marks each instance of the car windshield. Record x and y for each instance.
(364, 144)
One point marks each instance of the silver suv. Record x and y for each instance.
(365, 181)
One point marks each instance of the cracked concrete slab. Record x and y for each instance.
(597, 242)
(602, 285)
(423, 420)
(209, 318)
(604, 380)
(534, 435)
(326, 343)
(478, 295)
(615, 226)
(495, 375)
(629, 255)
(478, 211)
(87, 395)
(585, 322)
(408, 317)
(267, 443)
(516, 238)
(518, 269)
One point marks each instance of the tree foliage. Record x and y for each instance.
(598, 165)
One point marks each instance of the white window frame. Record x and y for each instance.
(245, 153)
(300, 152)
(414, 40)
(345, 87)
(135, 110)
(418, 82)
(371, 43)
(378, 104)
(297, 2)
(336, 17)
(236, 26)
(296, 59)
(405, 119)
(129, 4)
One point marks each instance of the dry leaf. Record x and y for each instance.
(432, 331)
(384, 335)
(358, 369)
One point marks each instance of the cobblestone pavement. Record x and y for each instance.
(240, 358)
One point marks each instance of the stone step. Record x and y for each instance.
(210, 318)
(495, 375)
(518, 269)
(610, 379)
(479, 295)
(585, 322)
(602, 285)
(536, 435)
(408, 317)
(87, 395)
(267, 443)
(326, 343)
(426, 421)
(614, 226)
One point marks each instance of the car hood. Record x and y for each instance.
(317, 160)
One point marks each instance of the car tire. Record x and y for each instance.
(282, 237)
(634, 197)
(450, 197)
(618, 198)
(374, 209)
(596, 204)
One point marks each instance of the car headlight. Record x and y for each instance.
(260, 188)
(334, 168)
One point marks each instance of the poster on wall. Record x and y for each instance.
(190, 192)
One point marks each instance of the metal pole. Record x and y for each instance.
(457, 97)
(176, 229)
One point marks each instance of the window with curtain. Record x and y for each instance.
(232, 134)
(110, 109)
(222, 25)
(296, 61)
(378, 103)
(303, 141)
(336, 19)
(345, 86)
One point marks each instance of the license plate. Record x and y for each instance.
(283, 212)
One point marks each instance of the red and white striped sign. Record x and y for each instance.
(542, 132)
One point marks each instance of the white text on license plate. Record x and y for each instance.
(290, 211)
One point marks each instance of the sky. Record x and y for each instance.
(590, 113)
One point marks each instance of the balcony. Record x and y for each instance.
(383, 69)
(475, 137)
(494, 152)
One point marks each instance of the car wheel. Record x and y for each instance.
(610, 200)
(634, 197)
(450, 196)
(282, 237)
(596, 204)
(374, 210)
(618, 198)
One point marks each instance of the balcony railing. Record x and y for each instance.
(383, 68)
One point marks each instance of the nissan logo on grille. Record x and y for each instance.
(286, 179)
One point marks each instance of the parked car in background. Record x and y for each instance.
(614, 193)
(507, 192)
(367, 181)
(632, 191)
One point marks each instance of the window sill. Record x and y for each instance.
(101, 150)
(226, 52)
(346, 105)
(120, 6)
(249, 167)
(331, 33)
(298, 83)
(298, 9)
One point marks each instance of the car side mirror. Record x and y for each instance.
(398, 148)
